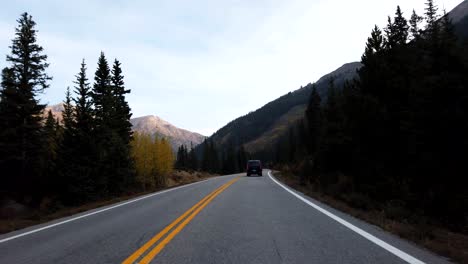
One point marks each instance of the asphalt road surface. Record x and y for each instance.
(227, 219)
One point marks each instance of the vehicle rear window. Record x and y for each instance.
(254, 163)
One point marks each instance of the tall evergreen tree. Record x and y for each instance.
(22, 81)
(432, 27)
(397, 31)
(215, 166)
(66, 158)
(431, 14)
(123, 167)
(48, 181)
(192, 162)
(84, 149)
(68, 117)
(10, 154)
(103, 101)
(414, 23)
(121, 107)
(102, 93)
(374, 45)
(205, 164)
(182, 158)
(83, 114)
(401, 27)
(314, 117)
(211, 160)
(333, 141)
(242, 158)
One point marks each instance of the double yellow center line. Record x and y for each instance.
(185, 218)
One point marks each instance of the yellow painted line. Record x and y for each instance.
(131, 259)
(147, 259)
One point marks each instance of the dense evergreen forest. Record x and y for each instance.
(229, 160)
(394, 137)
(90, 154)
(397, 134)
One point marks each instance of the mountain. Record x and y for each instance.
(261, 128)
(459, 17)
(155, 125)
(459, 13)
(56, 110)
(258, 131)
(152, 125)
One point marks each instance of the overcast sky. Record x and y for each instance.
(200, 64)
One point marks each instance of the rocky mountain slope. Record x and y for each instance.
(152, 125)
(155, 125)
(261, 128)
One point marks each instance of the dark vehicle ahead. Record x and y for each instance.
(254, 167)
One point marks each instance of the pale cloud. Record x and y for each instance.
(200, 64)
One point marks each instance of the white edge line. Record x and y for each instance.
(395, 251)
(97, 212)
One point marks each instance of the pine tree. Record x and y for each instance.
(192, 159)
(229, 161)
(70, 193)
(68, 118)
(83, 151)
(414, 25)
(205, 165)
(314, 118)
(103, 101)
(396, 31)
(121, 107)
(401, 27)
(373, 73)
(432, 27)
(333, 141)
(448, 36)
(215, 166)
(10, 154)
(121, 127)
(210, 161)
(179, 158)
(182, 162)
(102, 94)
(83, 114)
(374, 45)
(242, 158)
(22, 81)
(431, 14)
(50, 155)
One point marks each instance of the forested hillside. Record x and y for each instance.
(394, 139)
(253, 126)
(391, 135)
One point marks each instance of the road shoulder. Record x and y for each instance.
(383, 228)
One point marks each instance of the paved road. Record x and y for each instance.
(245, 220)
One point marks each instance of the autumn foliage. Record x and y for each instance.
(154, 160)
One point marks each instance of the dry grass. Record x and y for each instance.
(38, 216)
(435, 238)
